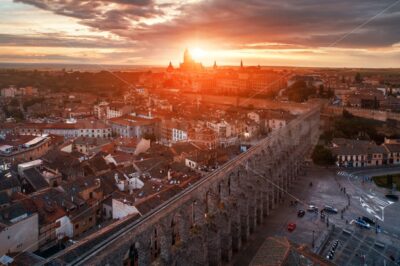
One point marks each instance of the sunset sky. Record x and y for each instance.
(154, 32)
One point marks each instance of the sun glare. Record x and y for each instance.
(197, 53)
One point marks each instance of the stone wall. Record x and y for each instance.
(365, 113)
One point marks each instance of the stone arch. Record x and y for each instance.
(224, 188)
(212, 200)
(175, 230)
(155, 246)
(133, 256)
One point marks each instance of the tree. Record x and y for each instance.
(346, 114)
(322, 156)
(358, 77)
(299, 91)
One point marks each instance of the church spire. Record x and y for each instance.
(187, 58)
(215, 65)
(241, 63)
(170, 67)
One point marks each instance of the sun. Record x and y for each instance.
(197, 53)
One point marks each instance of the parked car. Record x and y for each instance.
(312, 208)
(301, 213)
(368, 220)
(360, 222)
(291, 227)
(330, 209)
(392, 197)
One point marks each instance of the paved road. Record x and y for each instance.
(327, 189)
(372, 198)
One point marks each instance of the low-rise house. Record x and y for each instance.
(19, 148)
(38, 178)
(129, 126)
(88, 146)
(96, 165)
(67, 164)
(174, 131)
(358, 153)
(19, 229)
(100, 110)
(203, 136)
(117, 109)
(70, 129)
(393, 153)
(9, 183)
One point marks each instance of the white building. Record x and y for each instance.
(222, 128)
(20, 233)
(179, 135)
(82, 128)
(122, 208)
(66, 228)
(9, 92)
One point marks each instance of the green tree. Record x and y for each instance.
(358, 77)
(322, 156)
(299, 91)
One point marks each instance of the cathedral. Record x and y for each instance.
(188, 64)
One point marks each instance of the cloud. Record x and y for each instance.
(157, 27)
(61, 40)
(298, 22)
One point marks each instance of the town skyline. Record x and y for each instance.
(358, 34)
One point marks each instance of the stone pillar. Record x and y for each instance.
(266, 201)
(244, 217)
(198, 244)
(165, 243)
(236, 228)
(214, 245)
(260, 208)
(184, 227)
(143, 250)
(226, 237)
(252, 208)
(272, 196)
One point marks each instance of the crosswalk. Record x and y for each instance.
(369, 201)
(346, 174)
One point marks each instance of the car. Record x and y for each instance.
(301, 213)
(368, 220)
(291, 227)
(360, 222)
(312, 208)
(392, 197)
(330, 209)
